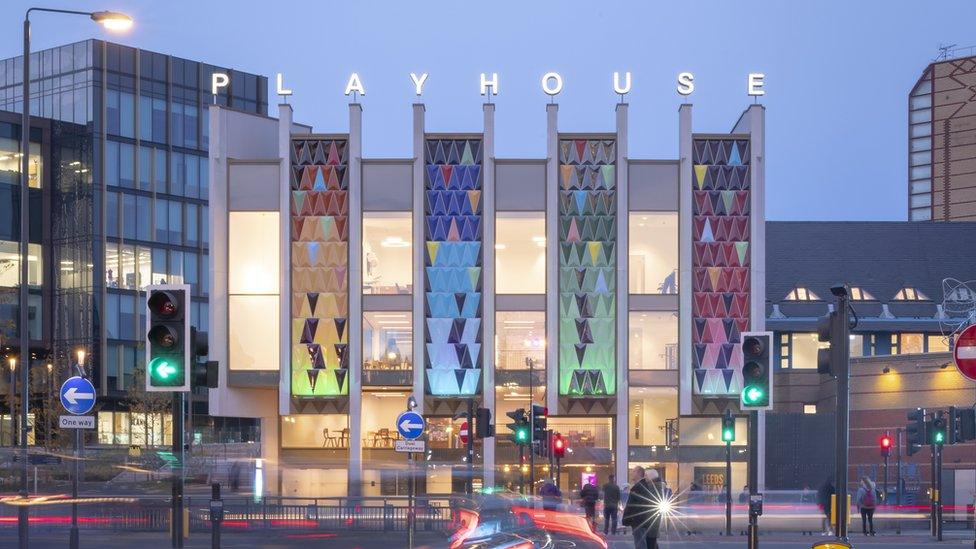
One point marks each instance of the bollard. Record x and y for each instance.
(216, 515)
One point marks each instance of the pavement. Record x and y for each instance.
(104, 539)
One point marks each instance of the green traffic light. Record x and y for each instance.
(752, 395)
(728, 435)
(163, 371)
(939, 437)
(522, 435)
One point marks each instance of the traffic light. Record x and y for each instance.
(939, 427)
(558, 446)
(967, 424)
(728, 427)
(757, 371)
(827, 332)
(205, 374)
(519, 426)
(885, 443)
(168, 339)
(915, 431)
(952, 426)
(539, 415)
(482, 423)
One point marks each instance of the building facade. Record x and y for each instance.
(942, 142)
(612, 290)
(138, 217)
(911, 290)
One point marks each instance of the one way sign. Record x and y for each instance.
(78, 395)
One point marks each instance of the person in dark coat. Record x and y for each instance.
(823, 501)
(611, 500)
(643, 513)
(589, 495)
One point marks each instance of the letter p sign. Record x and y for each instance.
(218, 80)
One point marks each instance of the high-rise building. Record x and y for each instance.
(942, 142)
(137, 216)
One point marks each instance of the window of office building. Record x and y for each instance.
(653, 341)
(10, 159)
(653, 256)
(10, 264)
(650, 410)
(378, 425)
(907, 344)
(253, 290)
(857, 345)
(520, 336)
(387, 340)
(130, 428)
(520, 253)
(314, 430)
(387, 253)
(937, 344)
(803, 350)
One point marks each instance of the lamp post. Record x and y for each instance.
(49, 415)
(73, 540)
(112, 21)
(10, 400)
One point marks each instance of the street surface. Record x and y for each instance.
(370, 540)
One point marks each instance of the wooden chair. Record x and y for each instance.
(328, 439)
(344, 438)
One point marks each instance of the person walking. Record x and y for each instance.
(643, 512)
(589, 495)
(824, 494)
(550, 496)
(611, 501)
(867, 501)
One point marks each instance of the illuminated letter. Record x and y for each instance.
(355, 85)
(419, 82)
(281, 86)
(686, 83)
(557, 83)
(493, 84)
(755, 83)
(616, 83)
(218, 80)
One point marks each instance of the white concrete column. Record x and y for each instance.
(284, 222)
(685, 372)
(623, 296)
(419, 244)
(488, 286)
(552, 258)
(354, 324)
(757, 249)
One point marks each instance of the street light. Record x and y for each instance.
(12, 361)
(111, 21)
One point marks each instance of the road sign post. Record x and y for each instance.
(411, 426)
(78, 398)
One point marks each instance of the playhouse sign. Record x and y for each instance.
(551, 83)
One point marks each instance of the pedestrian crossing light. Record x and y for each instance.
(519, 426)
(728, 427)
(939, 429)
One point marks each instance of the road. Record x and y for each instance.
(365, 540)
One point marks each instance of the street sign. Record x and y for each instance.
(409, 446)
(463, 433)
(410, 424)
(965, 352)
(77, 395)
(77, 422)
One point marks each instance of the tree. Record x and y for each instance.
(155, 406)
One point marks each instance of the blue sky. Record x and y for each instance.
(838, 73)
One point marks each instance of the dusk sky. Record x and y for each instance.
(837, 73)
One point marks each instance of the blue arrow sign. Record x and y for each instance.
(78, 395)
(410, 424)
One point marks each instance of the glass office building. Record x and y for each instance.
(611, 289)
(139, 215)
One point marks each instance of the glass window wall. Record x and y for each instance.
(387, 340)
(520, 253)
(650, 408)
(653, 256)
(653, 340)
(387, 253)
(253, 288)
(520, 337)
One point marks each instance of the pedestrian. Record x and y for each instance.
(235, 476)
(744, 494)
(867, 501)
(823, 501)
(550, 495)
(644, 511)
(611, 502)
(589, 494)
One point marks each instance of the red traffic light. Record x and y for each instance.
(163, 303)
(886, 442)
(558, 446)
